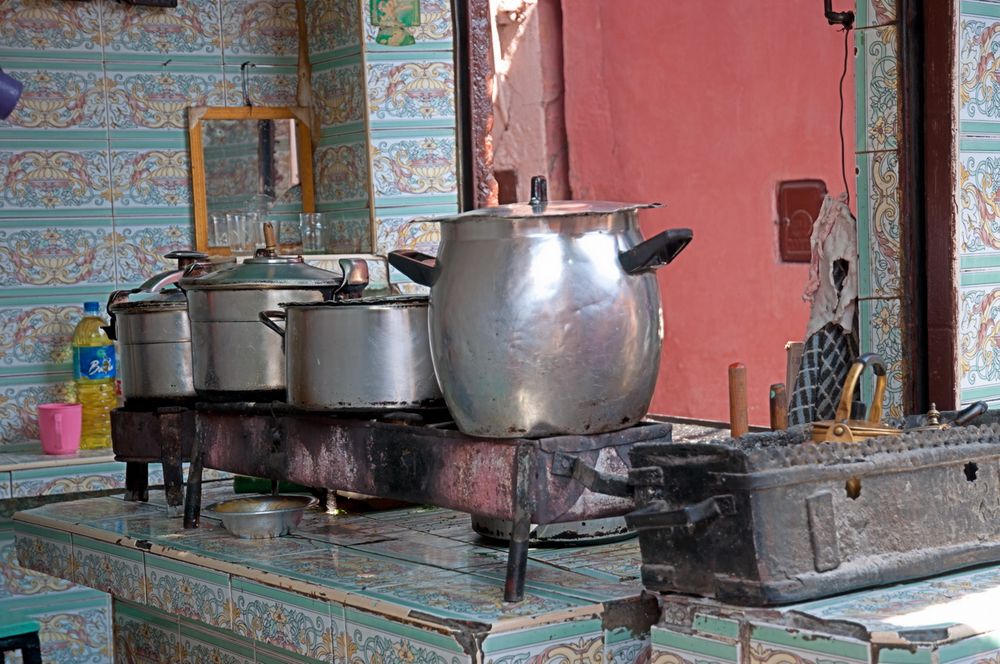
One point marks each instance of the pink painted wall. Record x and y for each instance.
(705, 106)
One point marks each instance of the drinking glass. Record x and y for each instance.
(218, 231)
(313, 232)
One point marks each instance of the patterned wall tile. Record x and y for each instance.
(979, 194)
(29, 28)
(622, 646)
(285, 620)
(260, 30)
(190, 31)
(52, 180)
(408, 228)
(875, 12)
(407, 24)
(668, 646)
(414, 168)
(878, 93)
(770, 644)
(581, 641)
(881, 326)
(36, 335)
(153, 97)
(370, 639)
(44, 550)
(411, 92)
(144, 635)
(20, 581)
(141, 244)
(19, 399)
(189, 591)
(334, 28)
(338, 95)
(75, 632)
(341, 169)
(57, 96)
(111, 569)
(62, 480)
(879, 224)
(274, 86)
(58, 252)
(978, 341)
(199, 645)
(150, 181)
(979, 86)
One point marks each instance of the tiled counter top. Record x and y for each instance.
(413, 585)
(951, 618)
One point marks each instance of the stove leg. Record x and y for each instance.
(192, 502)
(517, 554)
(171, 458)
(136, 481)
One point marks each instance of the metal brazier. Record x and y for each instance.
(365, 354)
(545, 318)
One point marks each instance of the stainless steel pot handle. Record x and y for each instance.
(657, 251)
(267, 318)
(657, 514)
(421, 268)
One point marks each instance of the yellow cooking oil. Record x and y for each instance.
(94, 366)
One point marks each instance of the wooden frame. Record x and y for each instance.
(198, 114)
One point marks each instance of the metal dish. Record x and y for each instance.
(261, 517)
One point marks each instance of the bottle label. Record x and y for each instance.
(94, 362)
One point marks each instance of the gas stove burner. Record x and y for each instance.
(571, 534)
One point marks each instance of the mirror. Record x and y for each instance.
(244, 161)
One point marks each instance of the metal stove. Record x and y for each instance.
(420, 459)
(142, 434)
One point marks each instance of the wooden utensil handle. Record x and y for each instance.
(738, 422)
(270, 239)
(779, 407)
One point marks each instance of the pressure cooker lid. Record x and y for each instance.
(514, 211)
(394, 301)
(168, 299)
(262, 272)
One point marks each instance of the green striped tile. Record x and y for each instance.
(549, 633)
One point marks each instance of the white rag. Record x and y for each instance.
(834, 238)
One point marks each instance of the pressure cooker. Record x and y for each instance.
(545, 317)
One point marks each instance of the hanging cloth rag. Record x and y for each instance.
(830, 346)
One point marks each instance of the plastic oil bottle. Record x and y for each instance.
(94, 365)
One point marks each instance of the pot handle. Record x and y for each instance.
(687, 518)
(421, 268)
(657, 251)
(267, 318)
(111, 329)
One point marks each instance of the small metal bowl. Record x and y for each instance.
(261, 517)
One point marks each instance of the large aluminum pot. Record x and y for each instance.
(234, 356)
(150, 324)
(361, 355)
(545, 317)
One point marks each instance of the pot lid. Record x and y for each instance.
(397, 301)
(265, 271)
(136, 302)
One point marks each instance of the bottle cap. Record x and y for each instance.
(91, 307)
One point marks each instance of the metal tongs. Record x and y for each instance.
(932, 420)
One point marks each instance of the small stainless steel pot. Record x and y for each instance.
(150, 324)
(234, 357)
(366, 354)
(545, 317)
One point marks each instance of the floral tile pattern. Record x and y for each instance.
(401, 24)
(189, 591)
(156, 97)
(19, 581)
(334, 28)
(879, 220)
(54, 180)
(371, 639)
(42, 29)
(260, 27)
(19, 400)
(342, 174)
(44, 550)
(875, 12)
(145, 179)
(402, 93)
(775, 644)
(884, 336)
(140, 249)
(57, 96)
(200, 645)
(113, 570)
(581, 641)
(188, 31)
(75, 479)
(878, 99)
(414, 170)
(978, 344)
(275, 86)
(37, 335)
(670, 647)
(338, 92)
(142, 635)
(71, 634)
(979, 214)
(285, 620)
(56, 253)
(979, 90)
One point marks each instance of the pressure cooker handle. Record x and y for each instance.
(267, 318)
(421, 268)
(657, 251)
(111, 329)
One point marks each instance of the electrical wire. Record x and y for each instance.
(843, 144)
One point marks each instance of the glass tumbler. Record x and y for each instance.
(218, 231)
(312, 231)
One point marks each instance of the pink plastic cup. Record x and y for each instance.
(59, 427)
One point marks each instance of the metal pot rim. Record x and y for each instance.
(385, 302)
